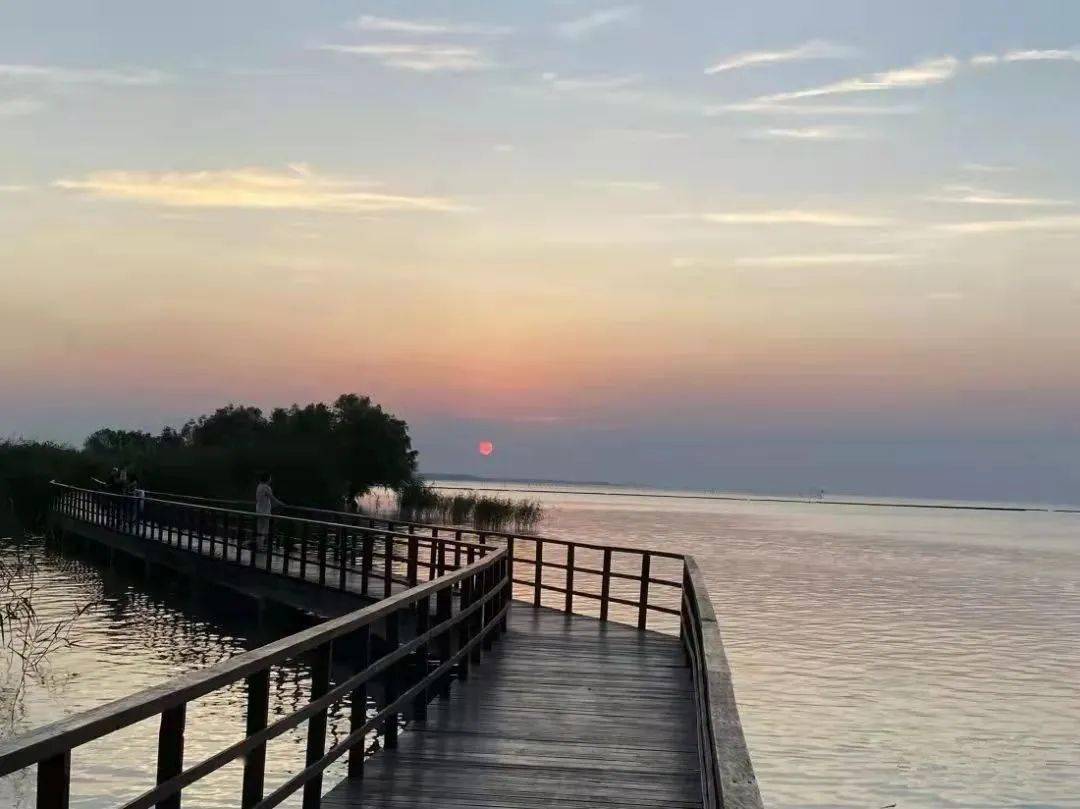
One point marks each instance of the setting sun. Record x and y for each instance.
(485, 448)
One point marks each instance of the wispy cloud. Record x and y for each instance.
(815, 49)
(52, 74)
(299, 188)
(19, 106)
(969, 195)
(649, 134)
(390, 25)
(815, 133)
(421, 58)
(575, 84)
(13, 189)
(987, 168)
(819, 259)
(929, 72)
(1046, 55)
(835, 219)
(593, 22)
(762, 106)
(620, 185)
(1062, 223)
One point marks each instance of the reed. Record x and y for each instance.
(421, 503)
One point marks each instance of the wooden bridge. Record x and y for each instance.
(523, 669)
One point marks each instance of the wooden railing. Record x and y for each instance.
(334, 554)
(727, 776)
(606, 575)
(621, 577)
(449, 633)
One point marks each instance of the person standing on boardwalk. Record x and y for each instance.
(264, 505)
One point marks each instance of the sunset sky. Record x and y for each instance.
(771, 245)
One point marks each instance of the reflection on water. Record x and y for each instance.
(883, 655)
(139, 633)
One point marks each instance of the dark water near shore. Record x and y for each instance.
(923, 658)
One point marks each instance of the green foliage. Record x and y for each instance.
(27, 467)
(317, 454)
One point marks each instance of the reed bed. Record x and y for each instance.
(419, 502)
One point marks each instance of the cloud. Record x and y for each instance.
(254, 188)
(505, 148)
(968, 195)
(419, 58)
(369, 22)
(929, 72)
(602, 18)
(620, 185)
(814, 133)
(13, 189)
(836, 219)
(987, 168)
(765, 107)
(51, 74)
(815, 49)
(1063, 223)
(19, 106)
(649, 134)
(819, 259)
(1048, 55)
(589, 83)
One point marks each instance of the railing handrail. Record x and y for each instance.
(22, 751)
(277, 517)
(507, 535)
(728, 780)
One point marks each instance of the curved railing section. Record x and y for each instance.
(727, 776)
(452, 632)
(627, 584)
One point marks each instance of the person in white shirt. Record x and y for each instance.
(264, 505)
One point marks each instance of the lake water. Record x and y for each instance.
(923, 658)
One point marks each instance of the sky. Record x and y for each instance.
(771, 246)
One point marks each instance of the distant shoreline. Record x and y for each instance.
(761, 499)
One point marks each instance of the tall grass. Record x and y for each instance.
(421, 503)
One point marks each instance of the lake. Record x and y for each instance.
(926, 658)
(881, 655)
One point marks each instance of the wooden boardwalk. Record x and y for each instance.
(544, 708)
(564, 712)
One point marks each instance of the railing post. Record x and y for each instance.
(464, 626)
(303, 550)
(388, 566)
(643, 601)
(358, 705)
(570, 578)
(443, 610)
(170, 761)
(367, 561)
(605, 586)
(538, 576)
(390, 728)
(269, 566)
(342, 559)
(413, 558)
(54, 781)
(491, 606)
(508, 594)
(423, 622)
(324, 540)
(258, 701)
(477, 618)
(316, 738)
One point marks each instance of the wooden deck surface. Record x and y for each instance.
(564, 712)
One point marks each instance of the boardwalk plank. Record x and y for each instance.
(564, 713)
